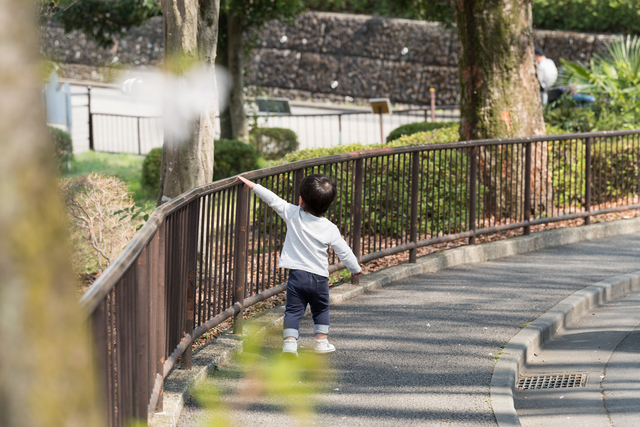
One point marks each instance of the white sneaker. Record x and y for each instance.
(290, 348)
(323, 347)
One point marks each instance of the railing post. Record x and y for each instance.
(527, 187)
(139, 143)
(339, 129)
(297, 182)
(240, 256)
(90, 116)
(433, 104)
(143, 332)
(191, 240)
(381, 126)
(415, 176)
(357, 214)
(587, 180)
(99, 327)
(158, 262)
(473, 173)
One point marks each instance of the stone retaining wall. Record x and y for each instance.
(366, 56)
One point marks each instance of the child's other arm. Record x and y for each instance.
(276, 203)
(344, 252)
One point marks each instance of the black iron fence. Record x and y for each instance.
(207, 254)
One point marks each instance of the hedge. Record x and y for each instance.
(411, 128)
(62, 147)
(233, 157)
(273, 143)
(151, 169)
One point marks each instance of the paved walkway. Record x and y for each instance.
(604, 344)
(421, 351)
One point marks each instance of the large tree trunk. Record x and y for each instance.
(190, 30)
(45, 356)
(235, 45)
(499, 93)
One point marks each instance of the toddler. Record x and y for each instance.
(305, 254)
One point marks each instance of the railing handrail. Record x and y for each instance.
(105, 283)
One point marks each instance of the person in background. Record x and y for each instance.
(547, 74)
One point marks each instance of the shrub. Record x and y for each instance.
(62, 148)
(587, 15)
(411, 128)
(151, 169)
(101, 218)
(273, 143)
(614, 80)
(384, 199)
(614, 172)
(233, 157)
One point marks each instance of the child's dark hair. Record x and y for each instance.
(317, 192)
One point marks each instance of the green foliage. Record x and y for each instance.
(62, 148)
(587, 15)
(255, 13)
(102, 21)
(426, 10)
(386, 202)
(151, 169)
(233, 157)
(615, 171)
(273, 143)
(447, 134)
(576, 15)
(411, 128)
(614, 79)
(614, 74)
(127, 167)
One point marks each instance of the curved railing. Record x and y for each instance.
(205, 255)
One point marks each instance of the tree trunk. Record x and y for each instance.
(499, 93)
(226, 130)
(235, 49)
(46, 376)
(190, 30)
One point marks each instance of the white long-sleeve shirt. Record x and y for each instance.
(308, 238)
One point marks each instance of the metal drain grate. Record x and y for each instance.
(536, 382)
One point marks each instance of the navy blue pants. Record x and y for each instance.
(306, 288)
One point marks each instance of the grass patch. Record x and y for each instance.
(127, 167)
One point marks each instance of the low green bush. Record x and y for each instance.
(386, 204)
(62, 148)
(233, 157)
(411, 128)
(273, 143)
(151, 169)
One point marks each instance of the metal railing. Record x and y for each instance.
(207, 254)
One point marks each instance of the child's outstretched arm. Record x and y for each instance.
(344, 252)
(276, 203)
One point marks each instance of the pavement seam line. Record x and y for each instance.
(542, 330)
(179, 383)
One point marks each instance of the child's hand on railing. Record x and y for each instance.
(246, 182)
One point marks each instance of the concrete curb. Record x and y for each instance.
(179, 383)
(532, 337)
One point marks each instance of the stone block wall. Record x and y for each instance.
(366, 56)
